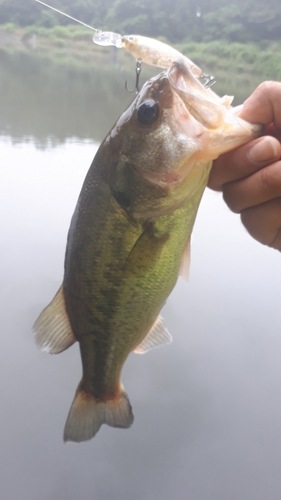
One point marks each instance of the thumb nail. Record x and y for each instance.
(263, 150)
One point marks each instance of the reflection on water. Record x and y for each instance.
(207, 408)
(52, 102)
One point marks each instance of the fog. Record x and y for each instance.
(207, 408)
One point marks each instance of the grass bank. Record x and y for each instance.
(73, 43)
(257, 59)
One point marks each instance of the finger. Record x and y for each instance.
(264, 105)
(277, 241)
(263, 222)
(262, 186)
(271, 129)
(244, 161)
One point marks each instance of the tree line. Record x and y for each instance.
(177, 20)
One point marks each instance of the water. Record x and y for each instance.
(208, 407)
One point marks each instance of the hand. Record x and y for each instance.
(250, 176)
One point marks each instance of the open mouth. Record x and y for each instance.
(181, 78)
(203, 104)
(202, 123)
(226, 131)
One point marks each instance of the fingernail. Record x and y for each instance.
(263, 150)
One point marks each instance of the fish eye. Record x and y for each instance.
(148, 112)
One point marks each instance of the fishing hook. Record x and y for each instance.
(138, 70)
(209, 81)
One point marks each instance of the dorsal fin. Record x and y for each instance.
(158, 335)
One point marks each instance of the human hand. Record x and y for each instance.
(250, 176)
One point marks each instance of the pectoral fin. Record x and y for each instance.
(146, 252)
(158, 335)
(185, 263)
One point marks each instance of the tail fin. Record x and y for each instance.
(86, 415)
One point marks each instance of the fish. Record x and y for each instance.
(129, 237)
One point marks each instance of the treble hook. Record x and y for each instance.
(138, 70)
(209, 81)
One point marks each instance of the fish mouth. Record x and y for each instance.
(222, 130)
(204, 127)
(202, 103)
(180, 77)
(188, 136)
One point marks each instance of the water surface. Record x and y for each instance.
(208, 407)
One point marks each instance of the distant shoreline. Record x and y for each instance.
(46, 43)
(74, 44)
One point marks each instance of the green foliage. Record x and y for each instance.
(236, 57)
(59, 31)
(177, 20)
(9, 27)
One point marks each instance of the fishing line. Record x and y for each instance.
(70, 17)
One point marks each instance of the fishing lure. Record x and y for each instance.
(144, 49)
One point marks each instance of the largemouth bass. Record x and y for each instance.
(129, 237)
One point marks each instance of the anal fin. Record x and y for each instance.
(158, 335)
(53, 330)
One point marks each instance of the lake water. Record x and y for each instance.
(208, 407)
